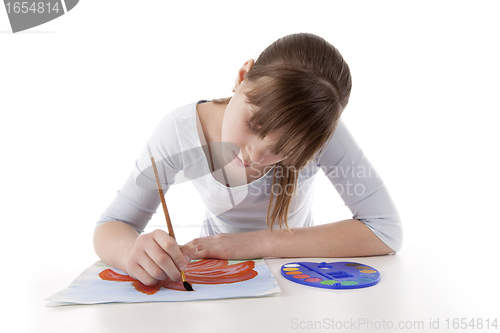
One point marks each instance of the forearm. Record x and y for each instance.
(113, 242)
(347, 238)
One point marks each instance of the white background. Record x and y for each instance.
(80, 95)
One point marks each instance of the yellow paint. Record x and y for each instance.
(290, 269)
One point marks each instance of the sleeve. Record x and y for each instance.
(360, 187)
(138, 198)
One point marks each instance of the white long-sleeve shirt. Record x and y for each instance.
(178, 152)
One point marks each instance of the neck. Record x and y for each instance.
(211, 117)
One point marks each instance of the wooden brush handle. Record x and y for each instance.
(162, 198)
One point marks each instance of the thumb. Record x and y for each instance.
(189, 250)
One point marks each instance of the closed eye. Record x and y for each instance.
(250, 127)
(254, 130)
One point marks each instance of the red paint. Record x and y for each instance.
(206, 271)
(110, 275)
(313, 280)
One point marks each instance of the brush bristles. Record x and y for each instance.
(187, 286)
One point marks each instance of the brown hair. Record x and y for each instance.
(300, 83)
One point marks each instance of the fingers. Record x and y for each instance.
(172, 255)
(155, 262)
(243, 245)
(206, 247)
(189, 250)
(139, 273)
(157, 256)
(167, 255)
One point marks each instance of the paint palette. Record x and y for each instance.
(332, 275)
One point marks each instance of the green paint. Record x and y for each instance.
(329, 282)
(348, 283)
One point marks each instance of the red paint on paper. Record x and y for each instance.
(206, 271)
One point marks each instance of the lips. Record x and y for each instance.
(238, 161)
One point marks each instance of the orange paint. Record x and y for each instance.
(111, 275)
(368, 271)
(206, 271)
(293, 273)
(301, 276)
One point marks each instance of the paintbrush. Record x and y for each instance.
(186, 284)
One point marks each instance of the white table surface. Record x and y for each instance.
(418, 285)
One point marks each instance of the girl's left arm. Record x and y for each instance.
(348, 238)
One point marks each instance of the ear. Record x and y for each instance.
(243, 71)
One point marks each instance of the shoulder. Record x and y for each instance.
(176, 129)
(178, 119)
(174, 134)
(182, 113)
(342, 143)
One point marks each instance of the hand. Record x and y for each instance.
(156, 256)
(245, 245)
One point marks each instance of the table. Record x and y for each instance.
(421, 288)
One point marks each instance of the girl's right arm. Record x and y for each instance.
(152, 256)
(149, 258)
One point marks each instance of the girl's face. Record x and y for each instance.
(236, 129)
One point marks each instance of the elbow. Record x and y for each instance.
(398, 243)
(395, 236)
(389, 231)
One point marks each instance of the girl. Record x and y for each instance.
(278, 129)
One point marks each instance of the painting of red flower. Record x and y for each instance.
(206, 271)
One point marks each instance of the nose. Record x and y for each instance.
(256, 154)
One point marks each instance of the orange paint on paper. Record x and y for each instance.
(206, 271)
(111, 275)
